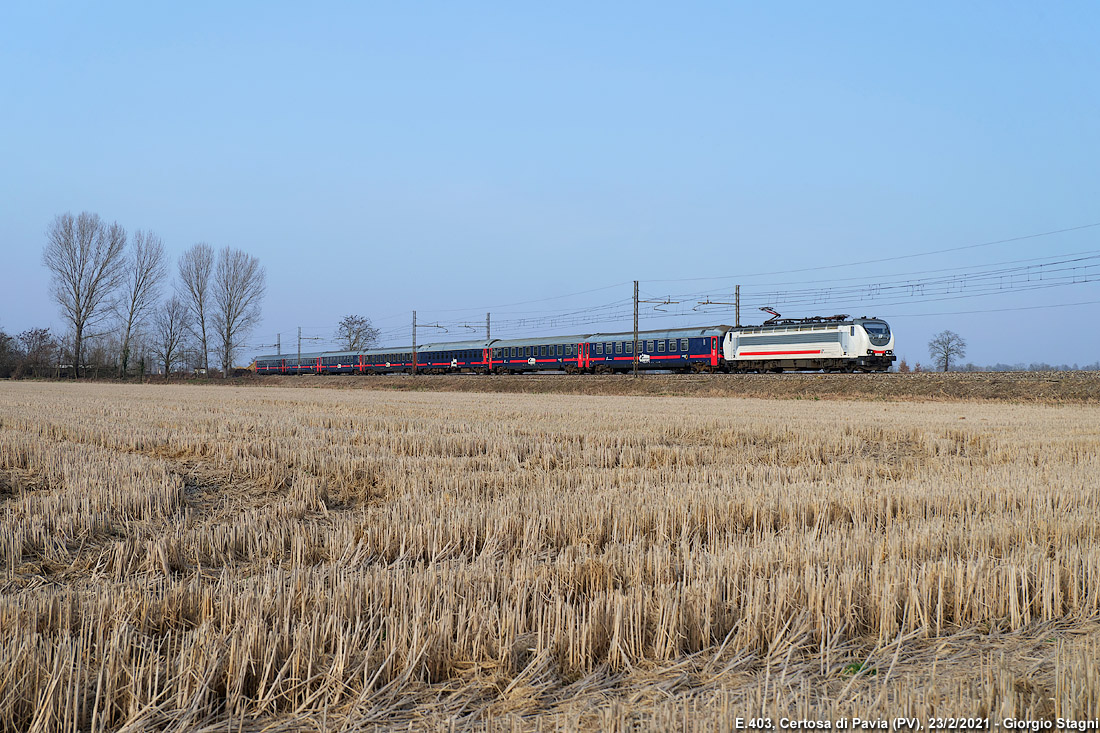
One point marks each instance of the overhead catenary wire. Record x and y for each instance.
(939, 284)
(893, 258)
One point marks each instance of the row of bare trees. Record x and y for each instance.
(30, 353)
(106, 281)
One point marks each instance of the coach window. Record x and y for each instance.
(661, 346)
(683, 344)
(649, 346)
(630, 347)
(618, 347)
(599, 349)
(561, 350)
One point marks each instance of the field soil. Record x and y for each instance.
(1037, 387)
(265, 557)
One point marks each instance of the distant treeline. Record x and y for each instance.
(1001, 367)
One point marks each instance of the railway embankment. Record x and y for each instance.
(1024, 387)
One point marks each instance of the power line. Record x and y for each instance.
(1012, 276)
(889, 259)
(993, 310)
(865, 278)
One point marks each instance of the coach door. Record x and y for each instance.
(714, 351)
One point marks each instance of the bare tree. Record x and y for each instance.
(170, 333)
(356, 333)
(9, 355)
(87, 259)
(99, 354)
(39, 348)
(145, 270)
(945, 347)
(238, 290)
(196, 267)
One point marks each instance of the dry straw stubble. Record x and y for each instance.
(182, 557)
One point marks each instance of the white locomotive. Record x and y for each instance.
(833, 344)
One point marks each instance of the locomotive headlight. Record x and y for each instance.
(870, 352)
(889, 352)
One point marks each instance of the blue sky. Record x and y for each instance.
(457, 158)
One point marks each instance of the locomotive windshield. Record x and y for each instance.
(878, 332)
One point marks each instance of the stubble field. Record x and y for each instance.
(189, 558)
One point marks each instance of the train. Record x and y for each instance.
(831, 344)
